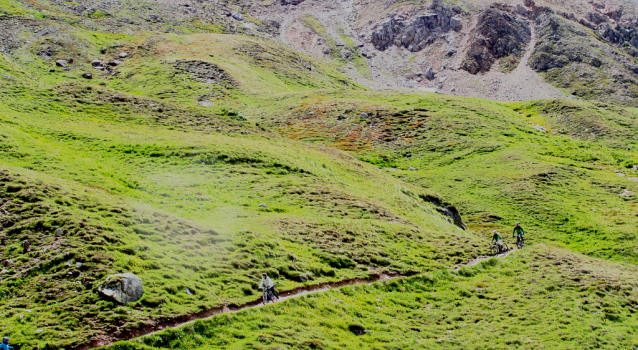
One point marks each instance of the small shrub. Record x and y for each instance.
(356, 329)
(128, 250)
(490, 262)
(467, 272)
(339, 262)
(99, 14)
(612, 314)
(312, 344)
(377, 260)
(13, 247)
(328, 272)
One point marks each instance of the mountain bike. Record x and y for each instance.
(268, 296)
(495, 249)
(520, 242)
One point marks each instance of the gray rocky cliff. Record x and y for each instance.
(498, 34)
(421, 30)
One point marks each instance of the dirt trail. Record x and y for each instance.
(175, 322)
(477, 260)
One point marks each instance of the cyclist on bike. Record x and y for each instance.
(5, 344)
(518, 232)
(496, 238)
(268, 284)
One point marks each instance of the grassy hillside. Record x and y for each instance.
(197, 161)
(195, 200)
(565, 169)
(541, 298)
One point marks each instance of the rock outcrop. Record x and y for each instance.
(498, 34)
(291, 2)
(123, 288)
(238, 16)
(579, 61)
(623, 36)
(561, 43)
(421, 31)
(446, 209)
(429, 74)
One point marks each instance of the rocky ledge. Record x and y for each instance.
(416, 33)
(498, 34)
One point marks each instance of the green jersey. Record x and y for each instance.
(518, 231)
(496, 237)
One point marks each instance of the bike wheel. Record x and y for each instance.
(506, 248)
(494, 250)
(519, 244)
(264, 299)
(269, 297)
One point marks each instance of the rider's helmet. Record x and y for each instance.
(494, 231)
(5, 340)
(264, 274)
(517, 223)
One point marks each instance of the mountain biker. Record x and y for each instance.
(5, 344)
(496, 238)
(267, 283)
(518, 232)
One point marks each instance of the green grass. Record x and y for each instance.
(153, 184)
(208, 27)
(143, 179)
(541, 298)
(193, 218)
(491, 161)
(357, 60)
(313, 24)
(14, 8)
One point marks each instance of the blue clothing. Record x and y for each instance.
(5, 346)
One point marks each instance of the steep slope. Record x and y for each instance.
(136, 138)
(443, 46)
(580, 49)
(544, 298)
(564, 168)
(141, 171)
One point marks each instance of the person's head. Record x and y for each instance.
(494, 232)
(5, 340)
(264, 275)
(518, 223)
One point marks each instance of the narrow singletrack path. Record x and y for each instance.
(175, 322)
(477, 260)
